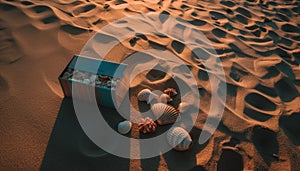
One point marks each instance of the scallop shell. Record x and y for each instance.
(164, 98)
(165, 114)
(179, 139)
(124, 127)
(143, 95)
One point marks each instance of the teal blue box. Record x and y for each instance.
(108, 72)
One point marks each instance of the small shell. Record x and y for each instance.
(147, 125)
(153, 98)
(179, 139)
(114, 83)
(67, 75)
(86, 81)
(124, 127)
(103, 77)
(93, 78)
(164, 98)
(143, 95)
(79, 75)
(171, 92)
(165, 114)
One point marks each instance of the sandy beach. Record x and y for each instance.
(256, 41)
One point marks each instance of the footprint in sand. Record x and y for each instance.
(260, 102)
(9, 50)
(230, 160)
(266, 90)
(26, 3)
(286, 90)
(292, 126)
(80, 9)
(265, 141)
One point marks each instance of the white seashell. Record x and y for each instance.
(67, 75)
(179, 139)
(124, 127)
(152, 97)
(164, 98)
(165, 114)
(86, 81)
(79, 75)
(93, 78)
(143, 95)
(114, 83)
(183, 107)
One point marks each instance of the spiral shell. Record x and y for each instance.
(165, 114)
(143, 95)
(164, 98)
(124, 127)
(179, 139)
(147, 125)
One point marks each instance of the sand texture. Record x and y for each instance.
(258, 42)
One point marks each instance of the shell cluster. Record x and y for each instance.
(146, 95)
(90, 78)
(124, 127)
(165, 114)
(147, 125)
(179, 139)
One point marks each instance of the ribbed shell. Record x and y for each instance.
(165, 114)
(124, 127)
(143, 95)
(179, 139)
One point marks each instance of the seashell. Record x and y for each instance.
(124, 127)
(114, 83)
(171, 92)
(108, 84)
(179, 139)
(67, 75)
(147, 125)
(152, 98)
(103, 77)
(143, 95)
(78, 75)
(165, 114)
(183, 107)
(93, 78)
(164, 98)
(86, 81)
(98, 83)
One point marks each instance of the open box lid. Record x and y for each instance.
(102, 67)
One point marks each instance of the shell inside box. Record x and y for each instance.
(85, 77)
